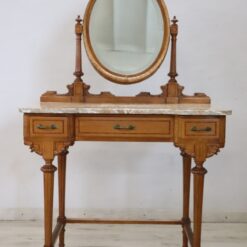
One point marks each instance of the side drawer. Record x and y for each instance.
(200, 127)
(124, 128)
(40, 126)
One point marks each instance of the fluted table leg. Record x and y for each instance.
(199, 172)
(48, 171)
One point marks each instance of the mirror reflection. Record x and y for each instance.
(126, 35)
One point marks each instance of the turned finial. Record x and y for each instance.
(78, 63)
(78, 19)
(174, 20)
(78, 26)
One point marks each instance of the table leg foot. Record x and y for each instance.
(61, 238)
(185, 239)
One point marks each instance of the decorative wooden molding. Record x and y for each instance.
(48, 149)
(199, 150)
(44, 143)
(48, 167)
(203, 146)
(171, 93)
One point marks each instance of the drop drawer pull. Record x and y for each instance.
(119, 127)
(207, 129)
(46, 127)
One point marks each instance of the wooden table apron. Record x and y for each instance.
(198, 137)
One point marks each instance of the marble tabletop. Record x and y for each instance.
(163, 109)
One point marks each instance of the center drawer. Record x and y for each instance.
(120, 128)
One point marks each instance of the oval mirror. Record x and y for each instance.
(126, 40)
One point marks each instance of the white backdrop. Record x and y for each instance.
(37, 54)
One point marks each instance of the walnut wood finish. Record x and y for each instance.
(198, 137)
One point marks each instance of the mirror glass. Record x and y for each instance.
(126, 35)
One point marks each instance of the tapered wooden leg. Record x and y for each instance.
(61, 188)
(48, 170)
(199, 172)
(186, 194)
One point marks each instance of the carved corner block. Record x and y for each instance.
(200, 150)
(48, 149)
(48, 135)
(200, 137)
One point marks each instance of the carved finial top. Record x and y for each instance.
(78, 19)
(78, 25)
(174, 20)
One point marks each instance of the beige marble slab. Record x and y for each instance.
(165, 109)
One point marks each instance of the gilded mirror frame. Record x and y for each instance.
(120, 78)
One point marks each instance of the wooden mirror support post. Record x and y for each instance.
(171, 92)
(77, 90)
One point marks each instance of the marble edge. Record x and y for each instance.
(116, 110)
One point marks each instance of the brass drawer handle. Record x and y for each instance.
(46, 127)
(207, 129)
(119, 127)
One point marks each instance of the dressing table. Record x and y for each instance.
(126, 42)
